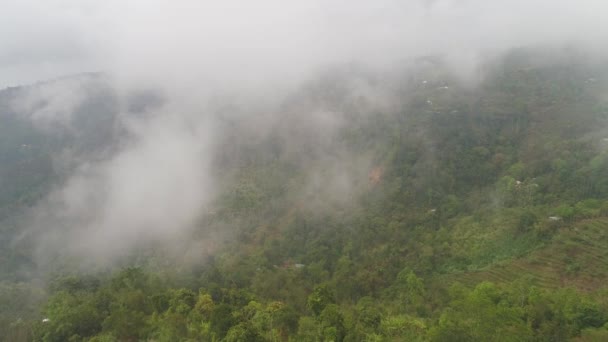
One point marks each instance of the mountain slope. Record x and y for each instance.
(376, 208)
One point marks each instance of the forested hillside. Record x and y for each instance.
(406, 206)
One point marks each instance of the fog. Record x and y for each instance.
(158, 182)
(233, 43)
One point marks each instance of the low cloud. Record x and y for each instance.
(233, 60)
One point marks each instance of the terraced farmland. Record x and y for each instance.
(577, 257)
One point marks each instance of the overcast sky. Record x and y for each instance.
(222, 41)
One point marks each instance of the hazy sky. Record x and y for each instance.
(185, 41)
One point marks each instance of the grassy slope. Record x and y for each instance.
(576, 256)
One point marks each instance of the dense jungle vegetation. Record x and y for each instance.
(456, 213)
